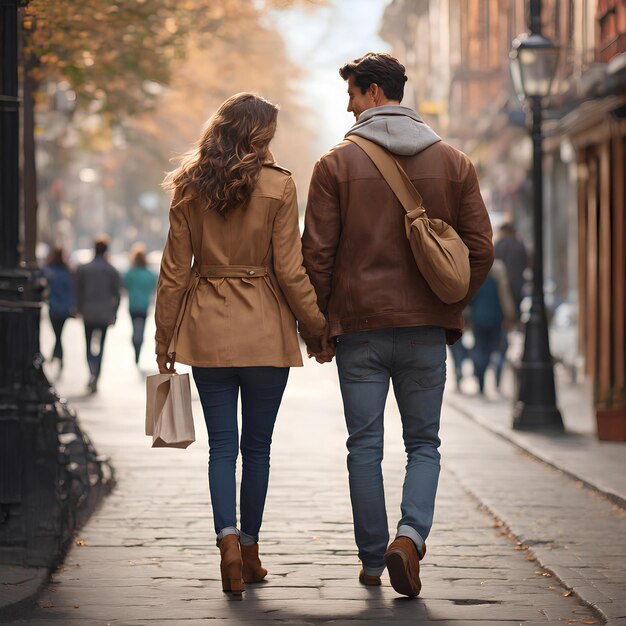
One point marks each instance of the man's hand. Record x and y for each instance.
(325, 354)
(166, 363)
(325, 357)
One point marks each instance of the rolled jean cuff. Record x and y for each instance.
(413, 535)
(373, 571)
(247, 540)
(229, 530)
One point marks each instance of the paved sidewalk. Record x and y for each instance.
(19, 586)
(148, 555)
(577, 452)
(576, 533)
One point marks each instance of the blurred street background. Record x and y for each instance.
(108, 120)
(530, 526)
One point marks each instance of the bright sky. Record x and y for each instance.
(320, 40)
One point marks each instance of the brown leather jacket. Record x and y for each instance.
(236, 305)
(355, 247)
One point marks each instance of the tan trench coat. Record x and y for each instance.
(236, 304)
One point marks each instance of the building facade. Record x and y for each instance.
(596, 127)
(478, 110)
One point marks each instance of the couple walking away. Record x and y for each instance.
(354, 288)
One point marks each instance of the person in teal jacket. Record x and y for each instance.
(140, 283)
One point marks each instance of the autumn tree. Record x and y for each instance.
(211, 72)
(112, 52)
(146, 74)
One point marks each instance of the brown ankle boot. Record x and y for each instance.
(231, 565)
(252, 570)
(403, 565)
(368, 580)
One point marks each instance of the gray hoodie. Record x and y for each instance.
(398, 129)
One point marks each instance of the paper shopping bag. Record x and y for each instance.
(168, 411)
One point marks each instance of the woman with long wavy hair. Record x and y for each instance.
(230, 288)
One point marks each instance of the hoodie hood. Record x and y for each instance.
(398, 129)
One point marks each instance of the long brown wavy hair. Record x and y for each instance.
(223, 168)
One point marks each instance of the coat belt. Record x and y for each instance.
(219, 271)
(230, 271)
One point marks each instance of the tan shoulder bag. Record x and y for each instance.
(440, 254)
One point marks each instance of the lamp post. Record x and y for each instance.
(50, 474)
(534, 60)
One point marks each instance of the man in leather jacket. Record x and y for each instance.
(387, 323)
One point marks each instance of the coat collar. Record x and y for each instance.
(269, 159)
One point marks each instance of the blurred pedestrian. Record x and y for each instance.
(510, 249)
(493, 310)
(140, 283)
(98, 286)
(61, 299)
(460, 352)
(231, 315)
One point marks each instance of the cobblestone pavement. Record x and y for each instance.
(577, 451)
(148, 554)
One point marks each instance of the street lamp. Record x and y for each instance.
(50, 474)
(533, 63)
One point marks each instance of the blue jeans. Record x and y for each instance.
(57, 325)
(261, 393)
(487, 342)
(138, 319)
(97, 333)
(414, 359)
(459, 353)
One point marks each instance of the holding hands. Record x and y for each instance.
(322, 348)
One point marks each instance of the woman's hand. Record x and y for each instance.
(326, 351)
(166, 363)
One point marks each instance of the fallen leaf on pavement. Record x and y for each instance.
(46, 605)
(531, 558)
(567, 594)
(80, 542)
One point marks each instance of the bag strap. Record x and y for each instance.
(392, 172)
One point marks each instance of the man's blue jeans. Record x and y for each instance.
(414, 359)
(261, 393)
(97, 333)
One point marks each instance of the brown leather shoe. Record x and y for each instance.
(231, 565)
(252, 570)
(403, 564)
(370, 581)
